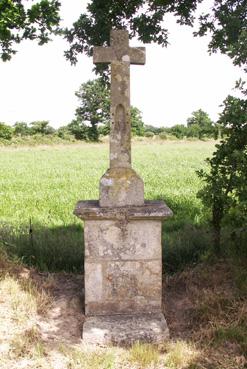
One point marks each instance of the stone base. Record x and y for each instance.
(121, 187)
(125, 329)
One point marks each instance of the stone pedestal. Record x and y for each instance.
(123, 261)
(123, 272)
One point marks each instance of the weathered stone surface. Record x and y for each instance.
(123, 262)
(93, 281)
(120, 136)
(123, 271)
(125, 330)
(127, 287)
(121, 187)
(119, 50)
(122, 240)
(90, 209)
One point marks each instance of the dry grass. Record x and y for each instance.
(181, 354)
(216, 315)
(144, 355)
(80, 359)
(28, 344)
(206, 313)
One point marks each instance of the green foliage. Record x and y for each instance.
(137, 125)
(225, 190)
(179, 130)
(194, 130)
(163, 136)
(41, 127)
(150, 128)
(22, 129)
(226, 22)
(18, 22)
(94, 108)
(64, 133)
(228, 25)
(6, 131)
(93, 114)
(78, 129)
(199, 117)
(149, 134)
(200, 124)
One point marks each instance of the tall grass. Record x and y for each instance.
(40, 186)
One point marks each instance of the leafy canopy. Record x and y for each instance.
(226, 22)
(19, 20)
(145, 19)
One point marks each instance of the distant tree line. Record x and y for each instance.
(92, 120)
(199, 126)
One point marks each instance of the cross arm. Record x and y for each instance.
(103, 54)
(137, 55)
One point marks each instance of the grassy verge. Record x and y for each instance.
(40, 186)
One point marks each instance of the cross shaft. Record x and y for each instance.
(120, 55)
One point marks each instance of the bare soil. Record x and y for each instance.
(196, 303)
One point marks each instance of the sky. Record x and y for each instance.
(40, 84)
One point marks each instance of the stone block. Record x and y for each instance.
(121, 187)
(122, 240)
(125, 329)
(126, 287)
(123, 259)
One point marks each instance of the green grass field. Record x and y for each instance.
(40, 186)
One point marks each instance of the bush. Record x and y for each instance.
(41, 127)
(149, 134)
(21, 129)
(163, 136)
(6, 132)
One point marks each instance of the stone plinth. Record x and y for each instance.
(125, 329)
(121, 187)
(123, 271)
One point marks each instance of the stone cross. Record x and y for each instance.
(122, 231)
(120, 55)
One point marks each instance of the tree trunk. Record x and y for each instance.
(217, 239)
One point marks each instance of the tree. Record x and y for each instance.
(78, 129)
(225, 189)
(21, 129)
(93, 113)
(41, 127)
(6, 131)
(94, 108)
(20, 22)
(201, 123)
(179, 130)
(137, 125)
(226, 22)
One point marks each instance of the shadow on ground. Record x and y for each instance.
(48, 248)
(60, 248)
